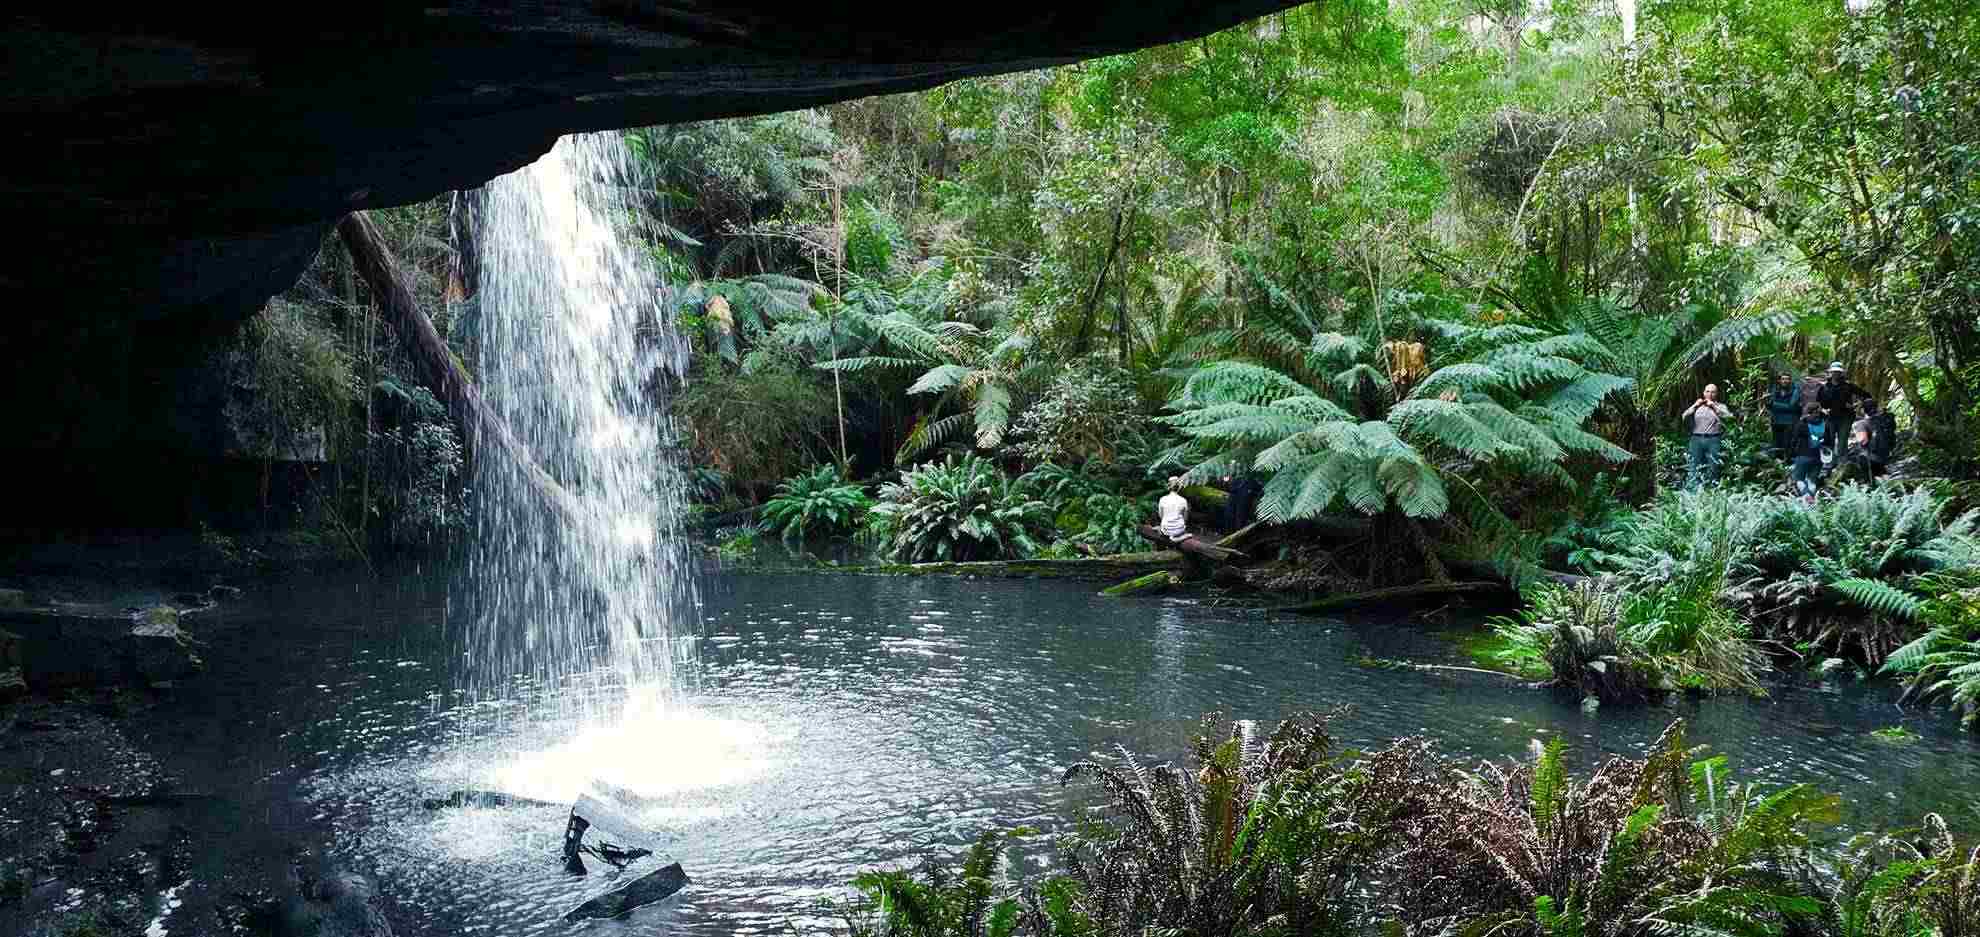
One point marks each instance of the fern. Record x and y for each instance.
(1737, 332)
(1880, 597)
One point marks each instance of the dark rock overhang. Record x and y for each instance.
(178, 162)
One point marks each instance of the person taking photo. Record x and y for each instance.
(1706, 418)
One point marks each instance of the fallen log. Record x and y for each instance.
(1194, 546)
(433, 362)
(1393, 594)
(1488, 571)
(1141, 585)
(1109, 567)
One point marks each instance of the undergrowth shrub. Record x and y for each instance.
(1788, 566)
(1945, 661)
(1662, 844)
(1286, 833)
(1599, 638)
(815, 505)
(959, 509)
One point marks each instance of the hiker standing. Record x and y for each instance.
(1707, 419)
(1812, 435)
(1837, 395)
(1783, 409)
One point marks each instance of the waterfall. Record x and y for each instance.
(575, 350)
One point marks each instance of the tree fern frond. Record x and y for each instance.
(1578, 399)
(992, 413)
(927, 434)
(1450, 424)
(866, 362)
(939, 378)
(1737, 332)
(1416, 485)
(1464, 377)
(1336, 347)
(1237, 381)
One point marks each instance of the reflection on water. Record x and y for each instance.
(840, 723)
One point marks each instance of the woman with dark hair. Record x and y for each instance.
(1783, 408)
(1812, 434)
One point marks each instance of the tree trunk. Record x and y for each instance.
(433, 362)
(1100, 282)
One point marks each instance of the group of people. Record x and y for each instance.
(1806, 431)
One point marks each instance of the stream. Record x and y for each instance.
(837, 723)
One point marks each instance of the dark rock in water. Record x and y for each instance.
(329, 902)
(13, 598)
(657, 885)
(13, 686)
(83, 646)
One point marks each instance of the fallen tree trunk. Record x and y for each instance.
(1394, 594)
(1194, 546)
(1089, 568)
(433, 362)
(1141, 585)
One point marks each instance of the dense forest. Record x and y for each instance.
(1432, 283)
(1654, 325)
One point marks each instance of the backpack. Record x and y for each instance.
(1883, 437)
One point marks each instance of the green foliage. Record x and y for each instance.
(417, 462)
(1270, 829)
(755, 427)
(1595, 524)
(292, 378)
(1900, 884)
(937, 901)
(958, 509)
(1797, 571)
(1642, 846)
(1089, 509)
(1090, 412)
(1509, 397)
(1945, 661)
(1601, 639)
(817, 504)
(872, 239)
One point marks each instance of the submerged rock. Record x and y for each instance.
(330, 902)
(657, 885)
(63, 646)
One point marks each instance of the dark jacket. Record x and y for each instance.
(1784, 405)
(1838, 396)
(1801, 445)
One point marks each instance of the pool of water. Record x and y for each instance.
(836, 723)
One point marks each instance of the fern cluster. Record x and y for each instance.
(817, 504)
(1601, 639)
(1093, 512)
(1663, 844)
(1284, 832)
(1826, 576)
(1945, 661)
(958, 509)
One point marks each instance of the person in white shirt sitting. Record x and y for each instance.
(1175, 512)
